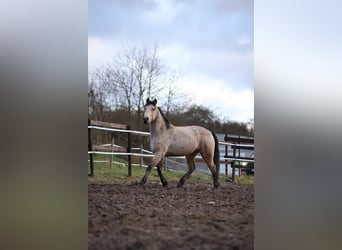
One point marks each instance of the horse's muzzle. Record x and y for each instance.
(145, 120)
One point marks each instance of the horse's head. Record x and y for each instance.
(150, 113)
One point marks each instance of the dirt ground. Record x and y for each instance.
(195, 216)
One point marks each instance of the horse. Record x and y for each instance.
(169, 140)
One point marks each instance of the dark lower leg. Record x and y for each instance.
(216, 183)
(162, 178)
(191, 167)
(213, 169)
(215, 179)
(144, 179)
(184, 178)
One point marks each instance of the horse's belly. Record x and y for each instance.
(181, 149)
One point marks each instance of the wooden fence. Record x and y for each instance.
(238, 143)
(232, 142)
(114, 150)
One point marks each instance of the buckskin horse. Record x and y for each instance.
(169, 140)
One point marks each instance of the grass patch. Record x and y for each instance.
(245, 179)
(118, 174)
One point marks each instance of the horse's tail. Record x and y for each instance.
(216, 156)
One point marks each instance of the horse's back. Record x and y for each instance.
(189, 139)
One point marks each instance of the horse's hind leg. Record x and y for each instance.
(191, 167)
(209, 159)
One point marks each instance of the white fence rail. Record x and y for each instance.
(226, 159)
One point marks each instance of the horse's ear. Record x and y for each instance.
(148, 100)
(155, 101)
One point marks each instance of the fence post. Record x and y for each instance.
(239, 155)
(141, 151)
(90, 148)
(129, 151)
(226, 155)
(233, 163)
(112, 150)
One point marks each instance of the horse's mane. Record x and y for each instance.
(167, 123)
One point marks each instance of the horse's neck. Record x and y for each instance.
(158, 127)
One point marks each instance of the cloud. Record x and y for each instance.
(234, 5)
(165, 12)
(244, 40)
(225, 101)
(100, 51)
(196, 23)
(228, 65)
(211, 42)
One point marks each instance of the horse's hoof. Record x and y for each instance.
(216, 185)
(179, 185)
(164, 184)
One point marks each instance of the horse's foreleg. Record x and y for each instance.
(144, 179)
(155, 160)
(191, 167)
(162, 177)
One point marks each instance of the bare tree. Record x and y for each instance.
(173, 93)
(97, 94)
(155, 69)
(136, 73)
(133, 75)
(148, 71)
(141, 69)
(122, 73)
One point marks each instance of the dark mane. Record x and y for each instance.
(167, 123)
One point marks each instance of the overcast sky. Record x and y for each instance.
(210, 42)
